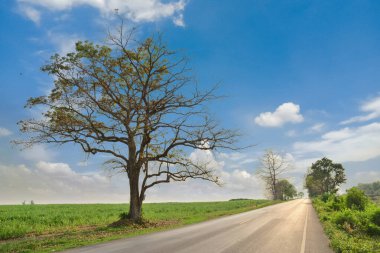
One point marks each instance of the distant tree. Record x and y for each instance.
(324, 176)
(372, 189)
(300, 195)
(135, 102)
(24, 203)
(313, 187)
(32, 202)
(272, 166)
(285, 190)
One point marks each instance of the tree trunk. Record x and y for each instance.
(135, 202)
(274, 188)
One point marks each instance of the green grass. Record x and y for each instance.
(46, 228)
(349, 230)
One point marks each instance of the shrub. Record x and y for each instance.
(347, 220)
(337, 203)
(325, 197)
(373, 229)
(349, 230)
(356, 199)
(376, 217)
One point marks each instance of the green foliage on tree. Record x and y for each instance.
(324, 176)
(376, 217)
(356, 199)
(134, 102)
(285, 190)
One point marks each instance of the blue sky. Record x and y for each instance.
(301, 77)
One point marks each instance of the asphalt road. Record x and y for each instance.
(287, 227)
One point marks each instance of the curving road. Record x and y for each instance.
(290, 227)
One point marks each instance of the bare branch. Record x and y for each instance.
(272, 166)
(134, 101)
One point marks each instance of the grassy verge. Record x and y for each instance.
(350, 228)
(46, 228)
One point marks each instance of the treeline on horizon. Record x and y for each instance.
(372, 190)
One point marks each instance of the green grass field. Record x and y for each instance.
(46, 228)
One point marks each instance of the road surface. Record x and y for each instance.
(290, 227)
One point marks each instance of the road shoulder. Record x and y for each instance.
(316, 239)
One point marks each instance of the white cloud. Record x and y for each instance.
(57, 169)
(287, 112)
(31, 13)
(205, 157)
(236, 180)
(236, 160)
(82, 163)
(291, 133)
(240, 180)
(65, 43)
(235, 156)
(371, 107)
(238, 183)
(57, 183)
(343, 145)
(232, 170)
(135, 10)
(5, 132)
(178, 21)
(48, 182)
(316, 128)
(52, 182)
(341, 134)
(38, 153)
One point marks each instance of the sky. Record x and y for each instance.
(300, 77)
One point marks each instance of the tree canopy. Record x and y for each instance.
(134, 101)
(324, 176)
(285, 190)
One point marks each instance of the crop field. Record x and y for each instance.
(46, 228)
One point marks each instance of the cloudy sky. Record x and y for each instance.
(301, 77)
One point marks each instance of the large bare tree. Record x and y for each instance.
(272, 166)
(134, 101)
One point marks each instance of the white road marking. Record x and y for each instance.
(303, 245)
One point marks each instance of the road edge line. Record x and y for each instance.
(303, 244)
